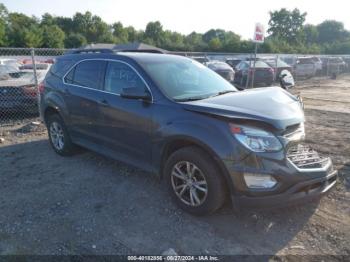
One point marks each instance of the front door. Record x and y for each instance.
(126, 125)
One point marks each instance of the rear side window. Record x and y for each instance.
(119, 76)
(60, 67)
(87, 74)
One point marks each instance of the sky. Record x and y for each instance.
(186, 16)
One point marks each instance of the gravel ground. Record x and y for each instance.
(89, 204)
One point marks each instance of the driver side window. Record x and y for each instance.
(119, 76)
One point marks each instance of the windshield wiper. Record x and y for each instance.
(224, 92)
(190, 99)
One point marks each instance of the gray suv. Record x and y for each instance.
(176, 118)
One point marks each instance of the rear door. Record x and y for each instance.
(126, 122)
(83, 95)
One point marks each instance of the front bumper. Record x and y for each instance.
(298, 180)
(306, 190)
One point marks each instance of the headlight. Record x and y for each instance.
(256, 139)
(259, 181)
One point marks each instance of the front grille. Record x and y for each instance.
(305, 157)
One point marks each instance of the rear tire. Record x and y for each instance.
(191, 171)
(59, 136)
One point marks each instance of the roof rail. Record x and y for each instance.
(153, 51)
(90, 50)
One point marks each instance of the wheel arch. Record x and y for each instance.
(176, 143)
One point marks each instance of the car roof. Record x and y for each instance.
(136, 56)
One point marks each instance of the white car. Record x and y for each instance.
(305, 67)
(318, 63)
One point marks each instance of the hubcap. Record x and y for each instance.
(57, 136)
(189, 183)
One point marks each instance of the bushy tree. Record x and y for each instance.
(32, 36)
(154, 33)
(194, 42)
(288, 34)
(75, 40)
(286, 24)
(53, 36)
(120, 33)
(92, 28)
(3, 21)
(331, 31)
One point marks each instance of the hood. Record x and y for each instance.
(219, 66)
(271, 105)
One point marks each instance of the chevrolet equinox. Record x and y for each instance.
(174, 117)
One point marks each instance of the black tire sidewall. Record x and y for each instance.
(68, 145)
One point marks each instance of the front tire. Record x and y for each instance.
(194, 181)
(59, 136)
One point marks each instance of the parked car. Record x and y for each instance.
(347, 61)
(222, 69)
(39, 67)
(233, 62)
(6, 69)
(263, 76)
(305, 67)
(174, 117)
(334, 65)
(201, 59)
(278, 65)
(318, 63)
(10, 62)
(18, 92)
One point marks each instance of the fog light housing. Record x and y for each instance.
(259, 181)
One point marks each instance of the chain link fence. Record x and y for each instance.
(22, 70)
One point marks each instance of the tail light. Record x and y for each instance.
(41, 88)
(30, 90)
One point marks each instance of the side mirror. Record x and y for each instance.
(135, 93)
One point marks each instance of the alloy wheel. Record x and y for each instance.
(57, 135)
(189, 183)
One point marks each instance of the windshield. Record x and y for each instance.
(183, 79)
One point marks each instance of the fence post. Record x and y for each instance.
(248, 75)
(32, 53)
(276, 76)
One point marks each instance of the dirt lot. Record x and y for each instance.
(88, 204)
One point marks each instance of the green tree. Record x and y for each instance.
(154, 33)
(310, 34)
(3, 21)
(22, 28)
(194, 42)
(92, 27)
(331, 31)
(75, 40)
(53, 36)
(47, 20)
(65, 23)
(32, 36)
(286, 24)
(120, 33)
(133, 35)
(215, 44)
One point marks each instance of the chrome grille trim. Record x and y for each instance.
(304, 158)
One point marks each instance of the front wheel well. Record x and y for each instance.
(177, 144)
(49, 112)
